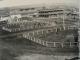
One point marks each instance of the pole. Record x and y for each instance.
(64, 20)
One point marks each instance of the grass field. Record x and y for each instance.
(12, 47)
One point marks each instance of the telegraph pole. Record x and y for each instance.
(63, 20)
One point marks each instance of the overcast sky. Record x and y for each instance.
(9, 3)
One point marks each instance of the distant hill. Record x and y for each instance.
(4, 12)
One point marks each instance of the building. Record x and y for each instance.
(63, 16)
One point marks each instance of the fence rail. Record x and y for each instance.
(51, 44)
(63, 44)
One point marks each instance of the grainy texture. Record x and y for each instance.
(39, 33)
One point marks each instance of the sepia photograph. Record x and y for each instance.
(39, 30)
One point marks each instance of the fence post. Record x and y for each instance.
(62, 44)
(70, 44)
(56, 29)
(39, 41)
(46, 43)
(54, 44)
